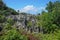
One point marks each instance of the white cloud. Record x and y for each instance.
(29, 8)
(32, 9)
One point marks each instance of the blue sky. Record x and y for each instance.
(30, 6)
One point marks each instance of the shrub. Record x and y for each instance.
(13, 35)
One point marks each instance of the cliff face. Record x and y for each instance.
(21, 19)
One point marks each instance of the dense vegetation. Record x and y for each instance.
(7, 32)
(48, 24)
(50, 21)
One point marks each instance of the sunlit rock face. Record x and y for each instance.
(21, 21)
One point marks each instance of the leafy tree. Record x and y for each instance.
(50, 7)
(3, 6)
(46, 22)
(56, 13)
(50, 20)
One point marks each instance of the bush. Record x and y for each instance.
(13, 35)
(2, 19)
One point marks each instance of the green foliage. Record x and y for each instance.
(5, 9)
(50, 21)
(12, 11)
(29, 23)
(7, 26)
(9, 32)
(2, 19)
(13, 35)
(50, 6)
(10, 21)
(51, 36)
(3, 6)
